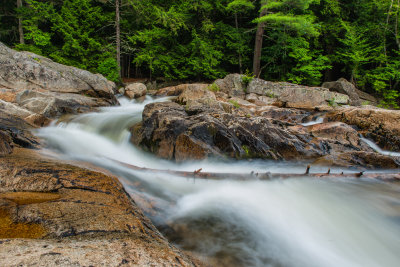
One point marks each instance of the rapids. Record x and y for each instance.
(292, 222)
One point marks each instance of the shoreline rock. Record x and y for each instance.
(68, 209)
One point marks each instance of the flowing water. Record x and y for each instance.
(291, 222)
(378, 149)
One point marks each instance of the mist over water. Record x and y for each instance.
(291, 222)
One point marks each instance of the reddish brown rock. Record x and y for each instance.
(380, 125)
(179, 89)
(359, 159)
(6, 145)
(284, 114)
(78, 215)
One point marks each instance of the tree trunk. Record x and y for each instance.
(20, 28)
(258, 43)
(239, 54)
(118, 35)
(396, 26)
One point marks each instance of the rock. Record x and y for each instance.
(337, 137)
(52, 105)
(380, 125)
(344, 87)
(283, 114)
(6, 145)
(232, 85)
(73, 216)
(135, 90)
(359, 159)
(17, 130)
(179, 89)
(296, 96)
(367, 97)
(194, 92)
(24, 70)
(171, 132)
(336, 131)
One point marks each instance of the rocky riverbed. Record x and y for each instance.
(70, 213)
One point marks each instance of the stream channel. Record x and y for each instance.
(282, 222)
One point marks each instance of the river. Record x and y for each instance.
(290, 222)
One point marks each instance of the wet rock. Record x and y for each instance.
(232, 85)
(17, 130)
(296, 96)
(135, 90)
(73, 216)
(338, 132)
(171, 132)
(33, 72)
(344, 87)
(360, 159)
(380, 125)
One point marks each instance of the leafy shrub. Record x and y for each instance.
(247, 77)
(234, 103)
(213, 87)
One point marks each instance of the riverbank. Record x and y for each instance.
(54, 213)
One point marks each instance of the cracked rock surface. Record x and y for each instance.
(73, 217)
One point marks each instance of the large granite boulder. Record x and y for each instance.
(380, 125)
(173, 132)
(232, 85)
(25, 70)
(344, 87)
(296, 96)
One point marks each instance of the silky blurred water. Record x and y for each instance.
(291, 222)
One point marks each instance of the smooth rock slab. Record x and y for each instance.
(25, 70)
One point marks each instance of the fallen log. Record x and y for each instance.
(198, 174)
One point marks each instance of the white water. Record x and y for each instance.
(294, 222)
(318, 120)
(380, 150)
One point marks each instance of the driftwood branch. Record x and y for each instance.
(198, 174)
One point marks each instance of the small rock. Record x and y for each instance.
(135, 90)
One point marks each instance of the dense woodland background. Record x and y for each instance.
(300, 41)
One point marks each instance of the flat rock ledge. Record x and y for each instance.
(56, 214)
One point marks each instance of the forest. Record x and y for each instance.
(300, 41)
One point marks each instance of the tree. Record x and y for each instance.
(20, 28)
(236, 7)
(259, 40)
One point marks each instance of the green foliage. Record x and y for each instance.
(234, 103)
(109, 69)
(304, 42)
(332, 102)
(213, 87)
(247, 77)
